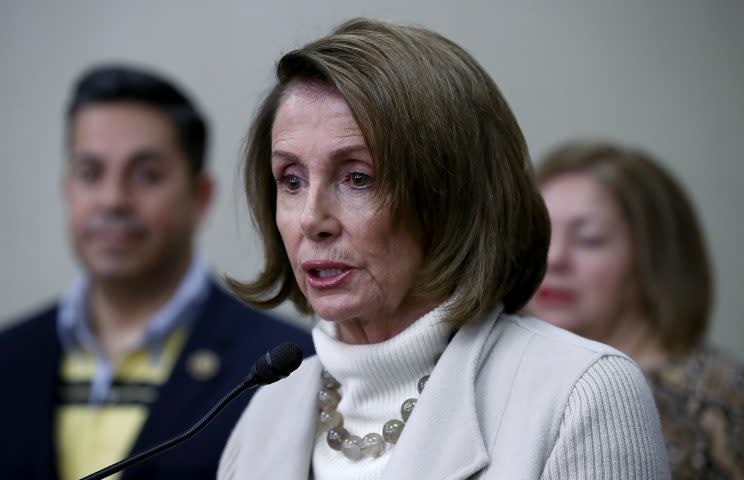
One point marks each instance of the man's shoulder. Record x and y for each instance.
(40, 321)
(243, 323)
(240, 315)
(31, 344)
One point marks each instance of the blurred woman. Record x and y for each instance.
(627, 266)
(393, 191)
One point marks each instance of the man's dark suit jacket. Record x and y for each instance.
(30, 356)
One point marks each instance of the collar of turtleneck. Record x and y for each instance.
(375, 380)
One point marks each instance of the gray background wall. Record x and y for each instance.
(664, 75)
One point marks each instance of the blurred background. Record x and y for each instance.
(667, 76)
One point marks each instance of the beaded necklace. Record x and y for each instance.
(352, 446)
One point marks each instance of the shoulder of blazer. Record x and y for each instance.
(531, 367)
(553, 337)
(524, 355)
(524, 385)
(29, 354)
(540, 353)
(231, 322)
(235, 335)
(31, 343)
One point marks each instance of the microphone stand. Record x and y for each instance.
(249, 382)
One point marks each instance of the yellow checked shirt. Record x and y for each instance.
(90, 437)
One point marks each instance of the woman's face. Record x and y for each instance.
(590, 286)
(349, 261)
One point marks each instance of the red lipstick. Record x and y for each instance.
(555, 296)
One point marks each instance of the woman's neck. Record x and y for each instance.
(364, 332)
(376, 379)
(636, 339)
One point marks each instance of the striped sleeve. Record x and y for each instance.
(610, 428)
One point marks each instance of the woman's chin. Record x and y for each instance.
(337, 304)
(334, 311)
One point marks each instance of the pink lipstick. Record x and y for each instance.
(324, 274)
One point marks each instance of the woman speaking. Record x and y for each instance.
(392, 188)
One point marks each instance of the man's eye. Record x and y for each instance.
(88, 174)
(149, 176)
(360, 180)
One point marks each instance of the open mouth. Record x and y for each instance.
(326, 272)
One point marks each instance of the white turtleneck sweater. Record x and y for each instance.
(375, 380)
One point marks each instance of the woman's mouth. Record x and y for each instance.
(326, 272)
(323, 275)
(555, 296)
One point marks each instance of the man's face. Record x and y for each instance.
(132, 203)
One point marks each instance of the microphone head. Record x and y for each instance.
(277, 363)
(286, 358)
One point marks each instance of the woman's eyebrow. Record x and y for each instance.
(283, 154)
(351, 149)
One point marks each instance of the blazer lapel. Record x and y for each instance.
(305, 430)
(43, 403)
(177, 395)
(442, 438)
(286, 451)
(183, 399)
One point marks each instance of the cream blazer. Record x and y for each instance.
(510, 398)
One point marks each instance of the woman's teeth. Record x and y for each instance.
(328, 272)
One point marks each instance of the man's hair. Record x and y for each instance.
(124, 83)
(671, 261)
(450, 160)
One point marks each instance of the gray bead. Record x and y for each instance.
(407, 408)
(373, 445)
(330, 418)
(422, 383)
(351, 447)
(328, 381)
(392, 430)
(335, 437)
(328, 398)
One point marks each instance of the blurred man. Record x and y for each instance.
(145, 342)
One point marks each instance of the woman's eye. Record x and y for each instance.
(591, 241)
(290, 182)
(360, 180)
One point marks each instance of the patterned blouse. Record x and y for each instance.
(700, 398)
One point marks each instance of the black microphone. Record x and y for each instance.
(276, 364)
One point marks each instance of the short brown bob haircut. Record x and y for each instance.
(672, 267)
(451, 165)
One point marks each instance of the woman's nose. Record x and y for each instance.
(318, 219)
(557, 254)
